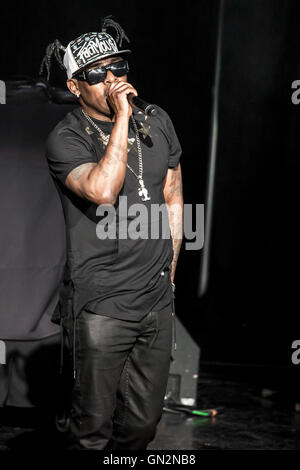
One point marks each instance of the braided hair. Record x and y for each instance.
(53, 49)
(108, 22)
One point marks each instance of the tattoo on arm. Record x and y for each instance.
(81, 169)
(176, 228)
(118, 153)
(174, 200)
(176, 249)
(104, 172)
(173, 184)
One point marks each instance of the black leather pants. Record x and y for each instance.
(121, 378)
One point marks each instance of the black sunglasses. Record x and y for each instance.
(99, 74)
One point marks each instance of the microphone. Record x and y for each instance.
(137, 102)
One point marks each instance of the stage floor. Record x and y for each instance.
(250, 418)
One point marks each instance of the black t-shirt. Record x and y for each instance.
(120, 277)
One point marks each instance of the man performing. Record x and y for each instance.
(116, 299)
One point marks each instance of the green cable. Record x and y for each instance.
(200, 413)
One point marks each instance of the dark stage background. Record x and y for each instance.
(249, 313)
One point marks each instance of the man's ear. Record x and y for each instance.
(72, 84)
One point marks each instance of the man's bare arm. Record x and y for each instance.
(174, 201)
(101, 182)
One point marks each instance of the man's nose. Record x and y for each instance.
(110, 77)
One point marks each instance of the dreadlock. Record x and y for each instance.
(53, 49)
(108, 22)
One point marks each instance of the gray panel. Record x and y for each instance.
(183, 375)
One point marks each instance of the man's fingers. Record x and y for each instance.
(122, 87)
(117, 97)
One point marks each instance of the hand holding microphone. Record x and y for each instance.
(120, 91)
(142, 105)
